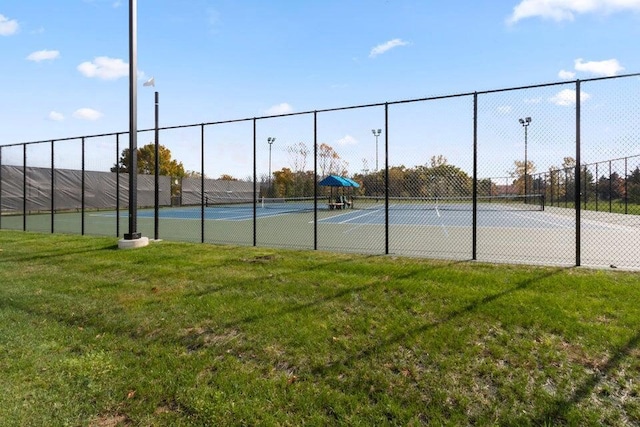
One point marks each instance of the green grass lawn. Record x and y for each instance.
(181, 334)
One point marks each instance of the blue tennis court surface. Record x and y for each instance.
(438, 218)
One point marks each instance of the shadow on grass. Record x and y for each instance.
(53, 254)
(341, 293)
(367, 352)
(561, 407)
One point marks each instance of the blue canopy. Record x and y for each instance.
(338, 181)
(352, 182)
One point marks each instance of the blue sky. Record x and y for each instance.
(65, 63)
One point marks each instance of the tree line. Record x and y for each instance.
(436, 178)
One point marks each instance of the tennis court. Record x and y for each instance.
(507, 229)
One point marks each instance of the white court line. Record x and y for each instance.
(561, 225)
(570, 223)
(609, 226)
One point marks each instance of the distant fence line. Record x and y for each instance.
(612, 184)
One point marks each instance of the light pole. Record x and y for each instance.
(376, 133)
(133, 124)
(525, 124)
(270, 141)
(133, 239)
(156, 214)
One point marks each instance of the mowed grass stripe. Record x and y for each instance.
(192, 334)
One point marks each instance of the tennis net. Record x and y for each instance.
(279, 203)
(528, 202)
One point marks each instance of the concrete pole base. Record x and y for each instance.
(133, 243)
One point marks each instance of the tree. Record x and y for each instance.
(226, 177)
(298, 154)
(449, 181)
(518, 174)
(329, 161)
(633, 184)
(283, 181)
(146, 162)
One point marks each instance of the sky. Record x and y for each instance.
(65, 71)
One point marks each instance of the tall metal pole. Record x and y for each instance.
(526, 162)
(270, 141)
(376, 133)
(156, 213)
(133, 124)
(525, 123)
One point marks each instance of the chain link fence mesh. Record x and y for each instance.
(544, 174)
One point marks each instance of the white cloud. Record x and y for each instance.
(504, 109)
(278, 109)
(55, 116)
(565, 10)
(385, 47)
(347, 140)
(567, 97)
(609, 67)
(8, 26)
(43, 55)
(566, 75)
(104, 68)
(87, 114)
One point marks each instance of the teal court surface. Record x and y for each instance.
(507, 234)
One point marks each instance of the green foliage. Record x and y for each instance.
(181, 334)
(147, 161)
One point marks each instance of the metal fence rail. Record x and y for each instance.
(436, 178)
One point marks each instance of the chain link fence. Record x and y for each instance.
(542, 174)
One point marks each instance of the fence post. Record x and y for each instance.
(53, 193)
(474, 231)
(117, 185)
(386, 178)
(610, 188)
(0, 187)
(255, 185)
(202, 196)
(315, 180)
(578, 174)
(626, 188)
(24, 187)
(82, 190)
(596, 187)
